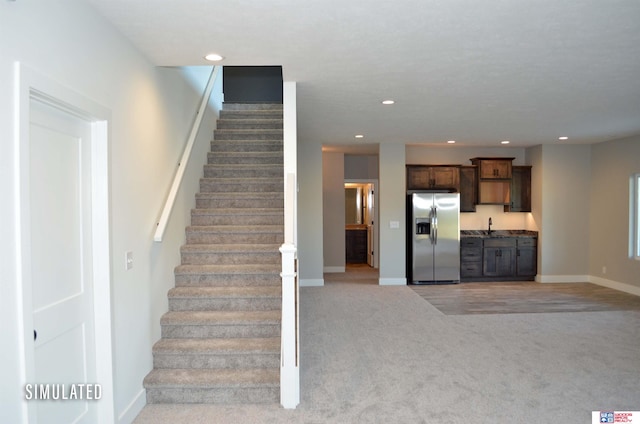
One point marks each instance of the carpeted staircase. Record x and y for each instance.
(221, 337)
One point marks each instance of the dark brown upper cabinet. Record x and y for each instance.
(494, 180)
(433, 177)
(468, 188)
(493, 168)
(520, 190)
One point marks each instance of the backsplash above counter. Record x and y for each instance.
(501, 220)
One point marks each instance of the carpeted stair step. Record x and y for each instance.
(218, 324)
(237, 216)
(251, 114)
(248, 134)
(239, 185)
(229, 106)
(239, 200)
(243, 171)
(230, 254)
(217, 353)
(227, 234)
(253, 123)
(267, 298)
(246, 146)
(228, 275)
(216, 386)
(245, 158)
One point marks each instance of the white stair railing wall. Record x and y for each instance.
(290, 346)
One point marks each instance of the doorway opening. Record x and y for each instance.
(361, 235)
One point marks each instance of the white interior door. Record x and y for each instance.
(370, 218)
(61, 259)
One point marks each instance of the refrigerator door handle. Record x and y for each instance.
(434, 224)
(431, 229)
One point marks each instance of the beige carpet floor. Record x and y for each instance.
(372, 354)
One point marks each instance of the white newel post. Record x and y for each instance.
(290, 350)
(289, 369)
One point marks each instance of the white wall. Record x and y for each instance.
(612, 164)
(459, 155)
(151, 112)
(310, 238)
(392, 198)
(360, 167)
(333, 219)
(565, 211)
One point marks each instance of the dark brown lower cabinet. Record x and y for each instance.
(470, 257)
(526, 257)
(498, 259)
(356, 246)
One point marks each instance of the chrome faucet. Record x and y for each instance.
(490, 223)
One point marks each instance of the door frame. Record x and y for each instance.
(30, 86)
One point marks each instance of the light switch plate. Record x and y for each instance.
(394, 224)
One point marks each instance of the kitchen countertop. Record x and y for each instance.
(498, 233)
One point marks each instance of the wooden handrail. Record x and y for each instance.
(184, 160)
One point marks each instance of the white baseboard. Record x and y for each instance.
(392, 281)
(616, 285)
(627, 288)
(133, 409)
(562, 278)
(330, 269)
(311, 282)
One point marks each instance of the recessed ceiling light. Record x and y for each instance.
(359, 136)
(505, 142)
(563, 138)
(213, 57)
(451, 142)
(388, 102)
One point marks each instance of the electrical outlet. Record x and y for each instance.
(394, 224)
(604, 269)
(128, 258)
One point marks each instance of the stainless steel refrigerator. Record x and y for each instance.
(433, 238)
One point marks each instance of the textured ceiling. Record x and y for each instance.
(478, 72)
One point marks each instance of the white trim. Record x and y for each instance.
(562, 278)
(627, 288)
(134, 408)
(290, 159)
(332, 269)
(290, 336)
(312, 282)
(634, 216)
(31, 85)
(392, 281)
